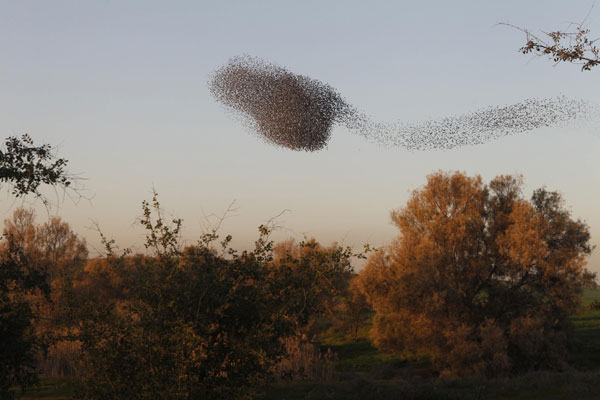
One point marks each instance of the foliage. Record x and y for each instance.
(481, 280)
(197, 322)
(312, 278)
(573, 45)
(51, 247)
(19, 343)
(26, 167)
(178, 323)
(304, 361)
(354, 310)
(365, 373)
(402, 379)
(52, 243)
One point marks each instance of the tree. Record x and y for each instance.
(53, 243)
(25, 168)
(354, 309)
(19, 343)
(55, 255)
(480, 279)
(313, 278)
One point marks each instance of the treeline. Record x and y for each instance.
(481, 282)
(202, 321)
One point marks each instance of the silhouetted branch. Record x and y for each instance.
(570, 45)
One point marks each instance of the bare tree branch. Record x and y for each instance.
(572, 45)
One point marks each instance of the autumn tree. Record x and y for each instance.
(480, 279)
(25, 168)
(54, 244)
(57, 255)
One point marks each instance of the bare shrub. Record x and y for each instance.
(304, 361)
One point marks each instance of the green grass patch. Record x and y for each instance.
(585, 352)
(49, 389)
(356, 354)
(590, 295)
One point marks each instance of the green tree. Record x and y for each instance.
(480, 279)
(26, 167)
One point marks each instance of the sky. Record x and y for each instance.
(120, 88)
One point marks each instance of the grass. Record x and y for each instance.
(585, 353)
(51, 389)
(590, 295)
(366, 373)
(356, 355)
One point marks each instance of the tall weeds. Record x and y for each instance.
(305, 361)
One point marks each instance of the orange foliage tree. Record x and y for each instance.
(480, 279)
(58, 255)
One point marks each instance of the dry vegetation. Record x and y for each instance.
(479, 287)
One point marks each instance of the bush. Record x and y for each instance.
(193, 325)
(199, 323)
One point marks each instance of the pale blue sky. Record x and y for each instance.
(121, 87)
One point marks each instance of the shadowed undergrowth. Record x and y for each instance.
(366, 373)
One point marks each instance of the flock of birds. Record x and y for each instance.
(298, 112)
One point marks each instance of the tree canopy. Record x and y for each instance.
(480, 279)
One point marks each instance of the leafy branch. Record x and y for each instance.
(572, 45)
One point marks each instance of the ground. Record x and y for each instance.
(365, 373)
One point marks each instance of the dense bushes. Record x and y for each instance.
(20, 281)
(198, 322)
(195, 323)
(36, 264)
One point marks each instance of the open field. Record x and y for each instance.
(366, 373)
